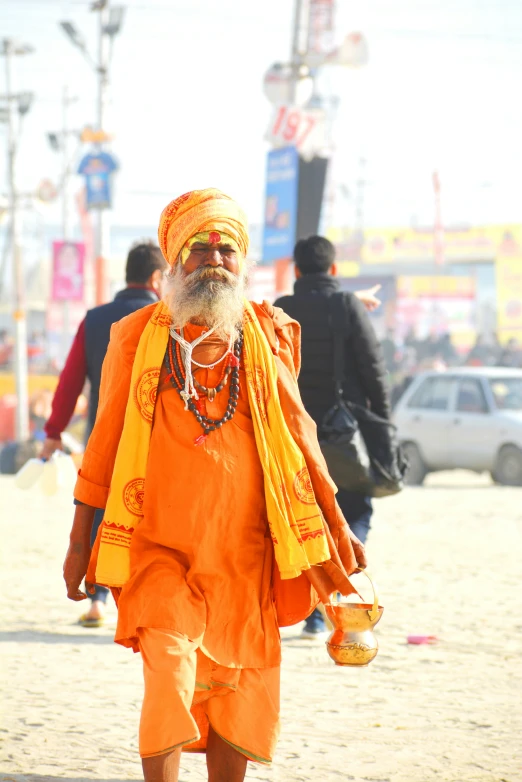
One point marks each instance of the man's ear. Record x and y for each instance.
(333, 270)
(155, 280)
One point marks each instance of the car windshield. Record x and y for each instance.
(507, 392)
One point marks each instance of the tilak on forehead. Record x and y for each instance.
(212, 238)
(202, 212)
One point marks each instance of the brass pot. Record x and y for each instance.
(352, 642)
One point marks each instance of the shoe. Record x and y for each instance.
(315, 633)
(86, 621)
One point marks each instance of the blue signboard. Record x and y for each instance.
(282, 178)
(97, 169)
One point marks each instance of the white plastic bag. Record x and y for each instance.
(49, 480)
(57, 473)
(67, 471)
(28, 475)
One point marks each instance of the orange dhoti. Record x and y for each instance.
(186, 692)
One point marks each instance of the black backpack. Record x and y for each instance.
(360, 447)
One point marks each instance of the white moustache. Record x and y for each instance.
(212, 273)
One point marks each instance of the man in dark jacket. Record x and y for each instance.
(143, 274)
(365, 373)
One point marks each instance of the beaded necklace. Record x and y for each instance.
(177, 376)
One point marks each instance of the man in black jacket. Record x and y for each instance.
(365, 373)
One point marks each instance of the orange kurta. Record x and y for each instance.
(201, 556)
(294, 598)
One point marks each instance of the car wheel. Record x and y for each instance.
(416, 471)
(508, 469)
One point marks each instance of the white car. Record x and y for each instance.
(467, 418)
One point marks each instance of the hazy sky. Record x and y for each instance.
(442, 90)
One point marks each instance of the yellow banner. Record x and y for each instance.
(348, 269)
(35, 383)
(509, 296)
(436, 287)
(392, 245)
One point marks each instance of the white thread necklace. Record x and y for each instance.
(190, 391)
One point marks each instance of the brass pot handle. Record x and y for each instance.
(373, 612)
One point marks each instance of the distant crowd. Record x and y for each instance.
(37, 355)
(403, 358)
(412, 355)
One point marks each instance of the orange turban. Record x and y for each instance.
(198, 211)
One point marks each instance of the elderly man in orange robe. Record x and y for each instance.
(220, 518)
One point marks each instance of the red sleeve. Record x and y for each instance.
(70, 386)
(94, 478)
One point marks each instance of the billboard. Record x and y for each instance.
(97, 169)
(509, 297)
(281, 201)
(68, 267)
(417, 245)
(437, 305)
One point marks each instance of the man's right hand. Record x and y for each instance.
(75, 568)
(49, 447)
(358, 550)
(369, 298)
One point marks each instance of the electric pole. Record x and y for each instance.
(102, 246)
(66, 227)
(296, 54)
(438, 232)
(359, 198)
(23, 101)
(66, 163)
(110, 20)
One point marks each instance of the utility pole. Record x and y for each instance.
(359, 198)
(66, 227)
(59, 142)
(66, 163)
(102, 241)
(19, 305)
(438, 232)
(110, 20)
(296, 53)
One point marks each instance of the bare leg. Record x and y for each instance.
(224, 763)
(162, 768)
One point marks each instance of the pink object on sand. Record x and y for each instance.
(422, 639)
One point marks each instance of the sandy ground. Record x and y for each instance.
(448, 562)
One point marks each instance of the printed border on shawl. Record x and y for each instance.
(145, 392)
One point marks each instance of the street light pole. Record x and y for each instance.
(438, 229)
(66, 163)
(110, 19)
(19, 311)
(102, 241)
(296, 49)
(66, 227)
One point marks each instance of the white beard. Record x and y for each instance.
(209, 296)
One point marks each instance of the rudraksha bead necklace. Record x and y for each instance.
(176, 375)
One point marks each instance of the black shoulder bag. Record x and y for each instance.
(360, 447)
